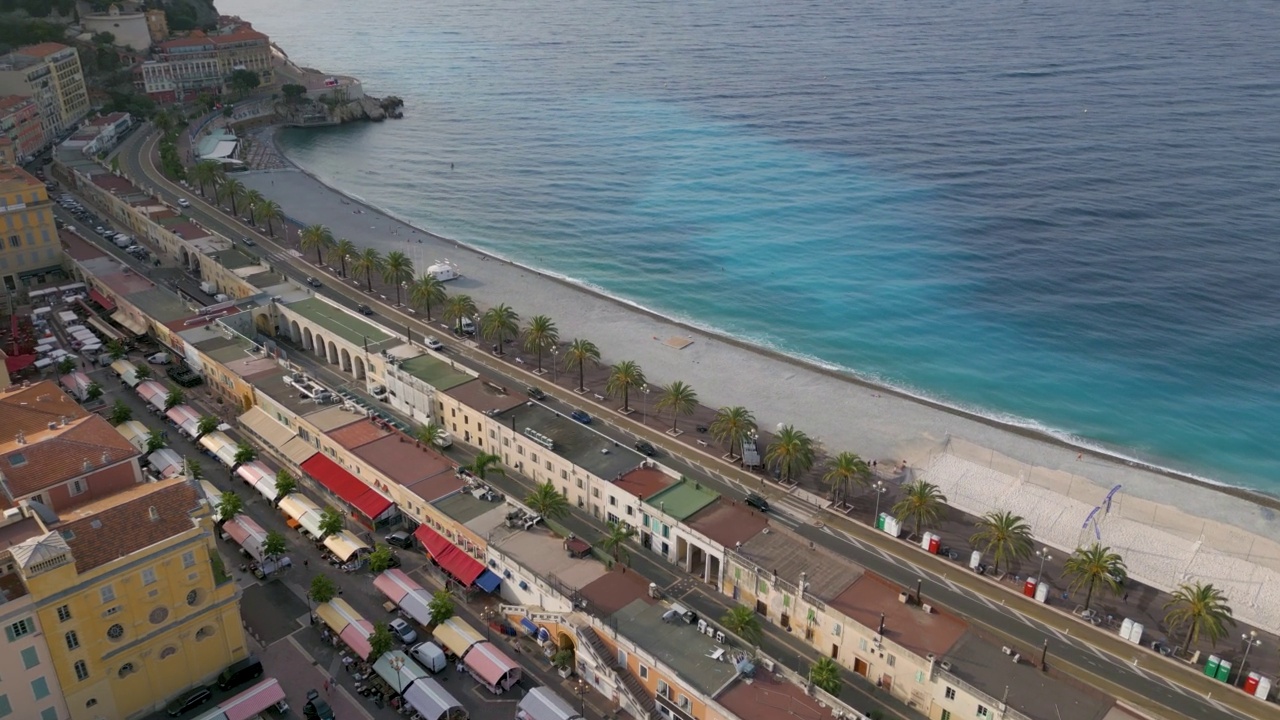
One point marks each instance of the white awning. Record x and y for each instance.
(224, 149)
(430, 699)
(344, 545)
(266, 427)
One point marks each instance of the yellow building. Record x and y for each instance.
(51, 73)
(29, 247)
(134, 600)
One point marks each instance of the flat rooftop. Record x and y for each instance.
(434, 372)
(575, 442)
(1036, 694)
(768, 698)
(486, 396)
(643, 481)
(545, 555)
(273, 386)
(779, 551)
(682, 499)
(161, 305)
(357, 433)
(346, 325)
(678, 645)
(409, 463)
(234, 259)
(905, 624)
(615, 590)
(464, 507)
(728, 522)
(327, 418)
(16, 532)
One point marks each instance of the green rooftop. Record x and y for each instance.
(337, 321)
(434, 372)
(682, 499)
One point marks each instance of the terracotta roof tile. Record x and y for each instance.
(44, 49)
(59, 455)
(10, 102)
(31, 409)
(124, 524)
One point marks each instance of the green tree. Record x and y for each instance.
(331, 522)
(66, 366)
(207, 172)
(243, 82)
(441, 607)
(847, 470)
(624, 377)
(1093, 566)
(546, 501)
(93, 392)
(229, 506)
(120, 413)
(483, 463)
(286, 484)
(397, 269)
(579, 353)
(615, 539)
(174, 399)
(380, 559)
(103, 38)
(251, 199)
(245, 453)
(429, 434)
(1005, 535)
(344, 249)
(733, 424)
(205, 425)
(318, 238)
(273, 545)
(540, 335)
(142, 372)
(922, 503)
(458, 308)
(678, 397)
(155, 441)
(1202, 609)
(268, 212)
(825, 674)
(367, 262)
(233, 190)
(499, 324)
(426, 291)
(322, 589)
(293, 94)
(192, 468)
(790, 454)
(116, 349)
(743, 622)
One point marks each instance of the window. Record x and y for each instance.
(73, 640)
(125, 670)
(613, 501)
(148, 576)
(919, 676)
(630, 510)
(983, 712)
(890, 660)
(5, 708)
(578, 481)
(188, 559)
(18, 629)
(40, 688)
(564, 475)
(950, 693)
(862, 644)
(64, 613)
(14, 241)
(115, 632)
(82, 670)
(548, 465)
(644, 672)
(946, 715)
(77, 487)
(595, 492)
(49, 713)
(664, 690)
(30, 658)
(107, 593)
(835, 629)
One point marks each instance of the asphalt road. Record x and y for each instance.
(1087, 653)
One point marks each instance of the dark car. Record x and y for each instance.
(535, 393)
(364, 309)
(757, 501)
(646, 449)
(314, 282)
(400, 539)
(316, 708)
(188, 701)
(581, 416)
(239, 673)
(249, 242)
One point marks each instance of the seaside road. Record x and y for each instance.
(1136, 684)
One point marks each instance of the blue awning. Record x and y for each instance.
(488, 581)
(528, 625)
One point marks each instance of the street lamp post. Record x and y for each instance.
(1044, 555)
(582, 697)
(397, 663)
(644, 410)
(555, 365)
(1250, 640)
(879, 488)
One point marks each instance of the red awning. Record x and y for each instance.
(452, 558)
(102, 300)
(346, 486)
(14, 363)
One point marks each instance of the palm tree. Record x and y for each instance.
(192, 468)
(499, 324)
(142, 373)
(155, 441)
(679, 398)
(579, 353)
(825, 674)
(483, 463)
(251, 200)
(232, 189)
(229, 506)
(623, 378)
(381, 641)
(244, 454)
(540, 335)
(1005, 535)
(429, 434)
(286, 484)
(269, 211)
(163, 121)
(1202, 608)
(174, 399)
(367, 262)
(922, 502)
(381, 558)
(205, 425)
(790, 454)
(1093, 566)
(847, 469)
(547, 502)
(614, 541)
(330, 522)
(207, 172)
(93, 392)
(397, 269)
(317, 237)
(457, 309)
(743, 622)
(343, 249)
(425, 292)
(734, 424)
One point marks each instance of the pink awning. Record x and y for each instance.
(247, 533)
(395, 585)
(491, 666)
(356, 636)
(253, 702)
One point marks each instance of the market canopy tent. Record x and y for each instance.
(249, 704)
(542, 703)
(260, 477)
(247, 533)
(135, 432)
(408, 673)
(221, 446)
(126, 371)
(433, 702)
(345, 545)
(409, 595)
(492, 667)
(153, 392)
(185, 417)
(456, 636)
(347, 486)
(166, 462)
(455, 561)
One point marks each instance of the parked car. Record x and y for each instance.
(183, 202)
(403, 630)
(314, 282)
(535, 393)
(188, 701)
(249, 241)
(468, 327)
(160, 358)
(757, 501)
(316, 708)
(364, 309)
(433, 343)
(400, 539)
(240, 672)
(646, 448)
(581, 416)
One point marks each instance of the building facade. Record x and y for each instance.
(20, 122)
(185, 67)
(29, 248)
(51, 74)
(130, 29)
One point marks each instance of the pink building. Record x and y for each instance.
(20, 121)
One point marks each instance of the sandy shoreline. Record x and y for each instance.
(844, 412)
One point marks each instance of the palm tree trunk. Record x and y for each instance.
(428, 311)
(368, 276)
(234, 211)
(342, 261)
(397, 294)
(270, 230)
(539, 356)
(319, 260)
(1088, 597)
(625, 397)
(581, 383)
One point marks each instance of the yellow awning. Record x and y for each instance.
(344, 545)
(135, 432)
(138, 327)
(267, 428)
(331, 617)
(296, 505)
(456, 636)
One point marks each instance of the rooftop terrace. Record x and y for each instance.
(728, 522)
(434, 372)
(922, 633)
(575, 442)
(615, 590)
(643, 481)
(678, 645)
(781, 551)
(544, 555)
(768, 698)
(1036, 694)
(272, 385)
(682, 499)
(486, 396)
(345, 325)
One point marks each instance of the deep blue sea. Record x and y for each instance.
(1064, 213)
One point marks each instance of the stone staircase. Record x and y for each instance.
(637, 697)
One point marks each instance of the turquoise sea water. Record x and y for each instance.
(1061, 214)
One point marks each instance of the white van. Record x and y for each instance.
(430, 655)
